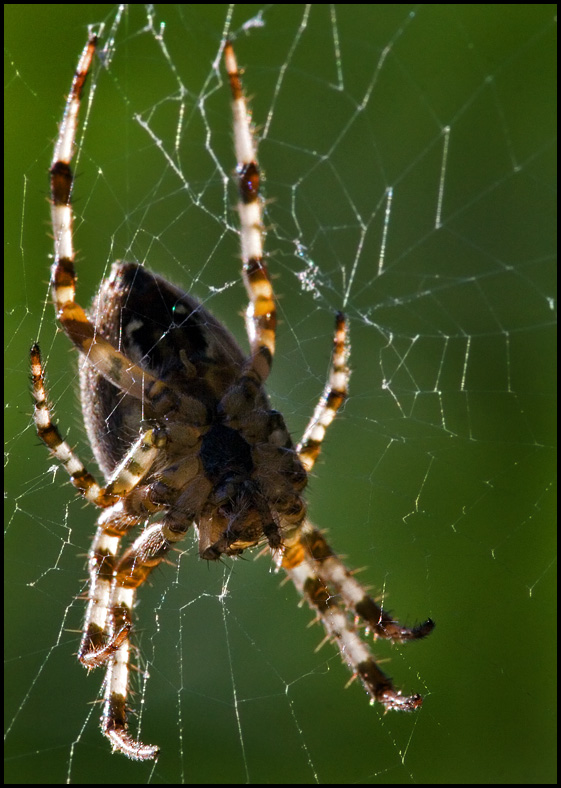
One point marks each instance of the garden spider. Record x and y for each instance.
(182, 429)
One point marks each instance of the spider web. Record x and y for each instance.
(409, 162)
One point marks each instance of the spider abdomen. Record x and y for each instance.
(167, 333)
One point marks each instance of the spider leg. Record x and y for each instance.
(127, 475)
(338, 599)
(106, 626)
(261, 313)
(322, 578)
(333, 573)
(132, 570)
(334, 395)
(109, 362)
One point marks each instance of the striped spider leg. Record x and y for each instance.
(182, 429)
(322, 578)
(261, 313)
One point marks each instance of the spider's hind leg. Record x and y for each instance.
(333, 573)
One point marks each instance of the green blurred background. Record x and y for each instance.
(439, 476)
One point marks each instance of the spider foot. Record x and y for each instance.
(393, 700)
(93, 656)
(123, 742)
(393, 630)
(381, 689)
(114, 726)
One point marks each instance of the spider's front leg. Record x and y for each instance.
(180, 489)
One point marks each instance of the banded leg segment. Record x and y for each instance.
(133, 569)
(127, 475)
(334, 395)
(261, 313)
(108, 361)
(102, 637)
(333, 573)
(112, 607)
(102, 558)
(339, 600)
(115, 520)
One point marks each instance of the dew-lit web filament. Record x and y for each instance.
(446, 138)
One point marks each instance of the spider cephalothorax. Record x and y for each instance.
(181, 426)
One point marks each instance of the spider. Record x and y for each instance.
(183, 431)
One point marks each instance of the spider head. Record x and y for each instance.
(255, 486)
(239, 517)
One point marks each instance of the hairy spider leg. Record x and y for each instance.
(109, 362)
(100, 640)
(333, 397)
(337, 598)
(261, 313)
(132, 570)
(339, 602)
(115, 520)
